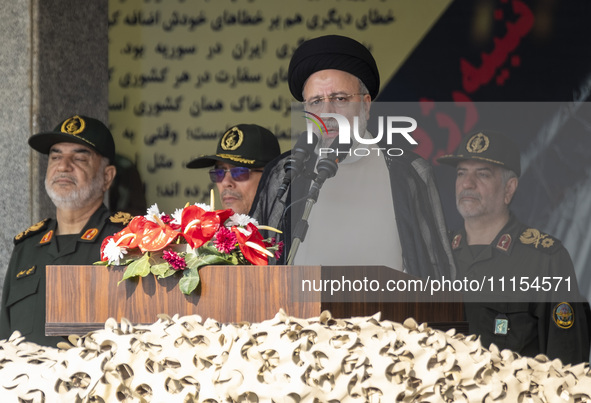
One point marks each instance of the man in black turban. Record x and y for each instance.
(332, 52)
(353, 222)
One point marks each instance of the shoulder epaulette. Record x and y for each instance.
(32, 230)
(121, 218)
(539, 240)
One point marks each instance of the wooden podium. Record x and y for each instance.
(81, 298)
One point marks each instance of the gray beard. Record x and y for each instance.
(77, 198)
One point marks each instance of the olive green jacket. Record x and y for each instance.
(23, 298)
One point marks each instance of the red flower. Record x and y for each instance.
(252, 253)
(279, 250)
(129, 237)
(105, 242)
(225, 240)
(176, 262)
(199, 226)
(145, 234)
(156, 237)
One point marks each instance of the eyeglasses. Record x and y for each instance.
(340, 101)
(239, 174)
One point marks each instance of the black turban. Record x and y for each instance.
(332, 52)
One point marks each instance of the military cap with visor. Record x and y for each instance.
(77, 129)
(243, 145)
(487, 146)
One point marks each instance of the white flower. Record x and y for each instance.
(240, 220)
(113, 252)
(176, 216)
(204, 206)
(153, 212)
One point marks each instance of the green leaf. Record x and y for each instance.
(213, 259)
(140, 267)
(190, 281)
(209, 250)
(233, 260)
(160, 269)
(191, 259)
(169, 273)
(123, 262)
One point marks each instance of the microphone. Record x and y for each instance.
(300, 154)
(327, 167)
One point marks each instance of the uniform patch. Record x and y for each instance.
(121, 218)
(32, 230)
(564, 315)
(504, 242)
(26, 272)
(90, 234)
(456, 241)
(47, 237)
(534, 237)
(501, 326)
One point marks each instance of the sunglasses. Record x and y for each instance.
(239, 174)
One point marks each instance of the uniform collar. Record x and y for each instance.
(89, 233)
(503, 242)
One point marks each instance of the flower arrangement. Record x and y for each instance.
(186, 240)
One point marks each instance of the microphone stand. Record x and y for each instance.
(327, 168)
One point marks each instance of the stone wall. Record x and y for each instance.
(53, 63)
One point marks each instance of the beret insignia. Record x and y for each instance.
(32, 230)
(121, 218)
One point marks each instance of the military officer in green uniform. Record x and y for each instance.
(79, 172)
(527, 315)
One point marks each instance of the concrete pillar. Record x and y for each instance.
(53, 63)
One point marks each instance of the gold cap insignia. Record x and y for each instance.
(90, 234)
(74, 125)
(478, 143)
(456, 241)
(236, 158)
(504, 242)
(232, 139)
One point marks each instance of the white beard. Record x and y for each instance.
(78, 197)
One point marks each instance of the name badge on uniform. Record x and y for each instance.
(501, 324)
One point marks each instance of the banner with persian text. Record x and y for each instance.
(183, 72)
